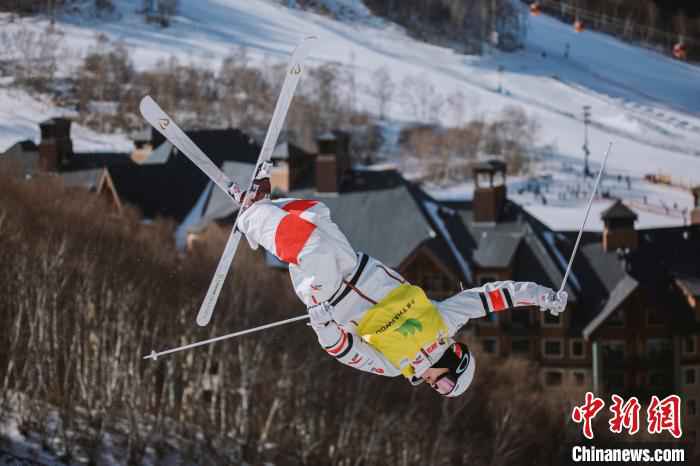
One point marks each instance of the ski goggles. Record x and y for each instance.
(444, 384)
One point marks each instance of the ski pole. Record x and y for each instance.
(588, 210)
(154, 355)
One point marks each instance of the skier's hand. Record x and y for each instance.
(264, 171)
(260, 188)
(236, 192)
(320, 314)
(554, 302)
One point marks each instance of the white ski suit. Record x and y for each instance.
(325, 268)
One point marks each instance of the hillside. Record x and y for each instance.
(647, 104)
(20, 113)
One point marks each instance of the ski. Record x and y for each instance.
(171, 131)
(284, 100)
(166, 126)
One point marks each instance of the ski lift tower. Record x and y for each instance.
(586, 152)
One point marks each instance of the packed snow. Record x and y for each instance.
(646, 103)
(558, 195)
(20, 115)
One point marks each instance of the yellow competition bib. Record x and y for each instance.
(401, 325)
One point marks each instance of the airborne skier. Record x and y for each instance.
(365, 314)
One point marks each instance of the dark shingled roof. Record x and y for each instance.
(531, 264)
(23, 156)
(618, 211)
(623, 290)
(662, 255)
(94, 160)
(28, 145)
(690, 284)
(606, 266)
(496, 249)
(392, 223)
(171, 189)
(598, 273)
(547, 270)
(449, 236)
(87, 179)
(439, 247)
(286, 150)
(516, 239)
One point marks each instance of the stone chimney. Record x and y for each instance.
(281, 176)
(619, 232)
(489, 191)
(332, 161)
(56, 146)
(695, 213)
(142, 146)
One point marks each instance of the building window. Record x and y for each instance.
(577, 348)
(579, 378)
(552, 348)
(689, 376)
(490, 345)
(520, 346)
(553, 378)
(692, 408)
(654, 316)
(613, 352)
(689, 345)
(659, 348)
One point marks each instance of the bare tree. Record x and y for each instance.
(457, 106)
(382, 89)
(420, 97)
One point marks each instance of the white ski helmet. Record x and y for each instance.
(460, 366)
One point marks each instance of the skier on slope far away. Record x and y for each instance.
(365, 314)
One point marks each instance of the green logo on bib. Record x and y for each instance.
(410, 327)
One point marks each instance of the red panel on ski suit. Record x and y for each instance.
(292, 234)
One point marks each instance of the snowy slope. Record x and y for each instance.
(558, 197)
(21, 113)
(648, 104)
